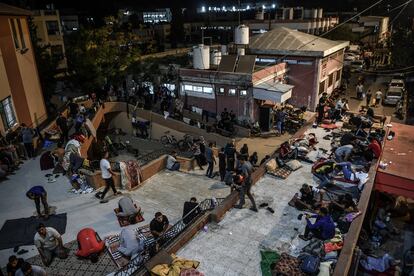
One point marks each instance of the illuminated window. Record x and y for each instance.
(221, 90)
(208, 90)
(7, 113)
(188, 87)
(232, 92)
(243, 93)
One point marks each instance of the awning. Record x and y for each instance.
(275, 92)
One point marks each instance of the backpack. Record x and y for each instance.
(310, 264)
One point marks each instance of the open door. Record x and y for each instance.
(264, 118)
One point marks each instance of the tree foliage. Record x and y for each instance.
(46, 64)
(100, 56)
(402, 48)
(343, 33)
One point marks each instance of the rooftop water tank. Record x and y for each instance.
(215, 57)
(241, 35)
(201, 57)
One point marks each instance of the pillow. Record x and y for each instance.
(324, 268)
(271, 165)
(294, 165)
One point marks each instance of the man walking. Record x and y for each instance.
(368, 98)
(107, 174)
(210, 160)
(62, 123)
(246, 171)
(38, 193)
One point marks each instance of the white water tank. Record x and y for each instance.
(314, 13)
(215, 57)
(241, 51)
(223, 50)
(320, 13)
(201, 57)
(241, 35)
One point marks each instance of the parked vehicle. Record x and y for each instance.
(397, 83)
(357, 65)
(393, 95)
(186, 144)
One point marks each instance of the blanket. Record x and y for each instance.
(125, 221)
(178, 264)
(17, 232)
(282, 173)
(131, 174)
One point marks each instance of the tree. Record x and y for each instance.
(343, 33)
(100, 56)
(402, 48)
(46, 66)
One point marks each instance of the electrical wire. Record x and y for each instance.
(400, 6)
(398, 15)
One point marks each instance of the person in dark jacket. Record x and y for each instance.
(323, 228)
(244, 151)
(190, 210)
(38, 193)
(222, 164)
(253, 158)
(230, 152)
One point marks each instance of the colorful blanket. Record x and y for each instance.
(131, 174)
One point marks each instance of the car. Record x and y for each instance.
(393, 95)
(397, 83)
(357, 65)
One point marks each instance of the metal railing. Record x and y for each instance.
(167, 238)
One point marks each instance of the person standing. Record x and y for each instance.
(378, 97)
(210, 160)
(222, 164)
(230, 152)
(359, 91)
(38, 193)
(27, 138)
(107, 173)
(197, 155)
(368, 98)
(62, 124)
(246, 171)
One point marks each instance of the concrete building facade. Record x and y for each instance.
(315, 64)
(50, 32)
(373, 30)
(21, 98)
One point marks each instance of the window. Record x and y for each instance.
(52, 27)
(232, 92)
(330, 80)
(7, 113)
(57, 51)
(221, 90)
(198, 89)
(19, 27)
(188, 87)
(14, 33)
(338, 74)
(322, 87)
(208, 90)
(243, 93)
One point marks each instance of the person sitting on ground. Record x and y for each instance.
(347, 139)
(344, 204)
(287, 153)
(13, 265)
(127, 208)
(89, 244)
(49, 244)
(323, 228)
(38, 193)
(267, 157)
(383, 221)
(343, 153)
(253, 158)
(172, 163)
(130, 244)
(244, 151)
(32, 270)
(190, 210)
(374, 146)
(159, 225)
(306, 198)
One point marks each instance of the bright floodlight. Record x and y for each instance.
(203, 9)
(248, 7)
(274, 6)
(234, 8)
(264, 7)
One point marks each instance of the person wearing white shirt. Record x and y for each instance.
(32, 270)
(106, 173)
(172, 163)
(378, 97)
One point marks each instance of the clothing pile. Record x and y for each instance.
(178, 267)
(80, 184)
(131, 174)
